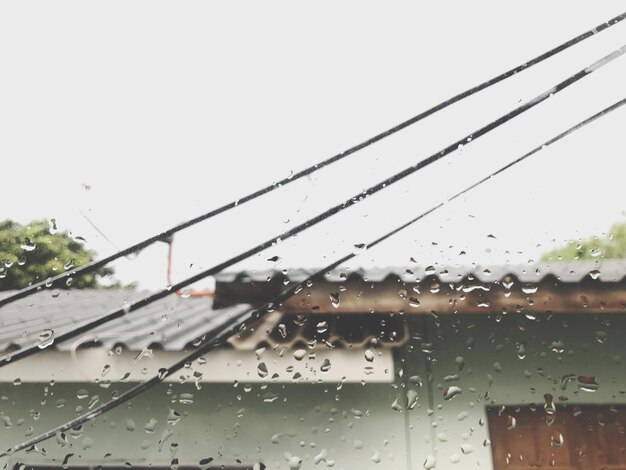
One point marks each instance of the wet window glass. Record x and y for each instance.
(350, 236)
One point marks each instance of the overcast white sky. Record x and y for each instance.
(166, 110)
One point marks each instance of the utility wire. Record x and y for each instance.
(216, 337)
(163, 236)
(101, 320)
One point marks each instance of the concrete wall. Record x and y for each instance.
(403, 424)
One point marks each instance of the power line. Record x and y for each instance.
(234, 325)
(101, 320)
(95, 265)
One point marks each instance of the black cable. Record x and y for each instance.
(71, 333)
(218, 335)
(163, 236)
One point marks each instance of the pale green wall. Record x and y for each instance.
(324, 418)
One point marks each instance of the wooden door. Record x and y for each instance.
(570, 438)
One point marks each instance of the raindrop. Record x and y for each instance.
(69, 264)
(282, 329)
(46, 338)
(595, 274)
(334, 299)
(411, 397)
(262, 370)
(376, 457)
(430, 462)
(530, 288)
(151, 425)
(299, 354)
(511, 422)
(369, 355)
(28, 245)
(430, 270)
(325, 367)
(322, 327)
(185, 294)
(451, 392)
(467, 449)
(557, 346)
(396, 405)
(557, 440)
(360, 248)
(601, 336)
(293, 462)
(587, 383)
(68, 281)
(549, 406)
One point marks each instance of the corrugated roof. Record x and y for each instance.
(173, 323)
(170, 324)
(605, 270)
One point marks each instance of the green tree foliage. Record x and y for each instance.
(34, 252)
(611, 246)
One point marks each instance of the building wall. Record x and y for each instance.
(346, 425)
(496, 370)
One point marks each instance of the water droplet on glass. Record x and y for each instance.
(369, 355)
(360, 248)
(451, 392)
(549, 406)
(601, 336)
(430, 462)
(467, 449)
(430, 270)
(530, 288)
(557, 440)
(325, 367)
(376, 457)
(28, 245)
(69, 264)
(396, 405)
(322, 327)
(68, 281)
(185, 293)
(262, 370)
(282, 329)
(299, 354)
(587, 383)
(334, 299)
(411, 398)
(595, 274)
(511, 422)
(46, 338)
(151, 425)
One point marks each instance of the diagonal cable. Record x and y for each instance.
(117, 313)
(217, 336)
(167, 234)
